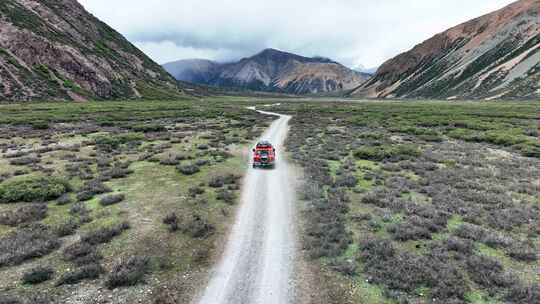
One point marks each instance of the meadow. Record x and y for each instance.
(98, 199)
(401, 202)
(420, 202)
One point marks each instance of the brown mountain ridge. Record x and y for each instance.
(495, 56)
(56, 50)
(271, 71)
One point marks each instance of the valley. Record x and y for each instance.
(397, 201)
(282, 177)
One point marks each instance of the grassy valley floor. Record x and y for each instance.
(402, 202)
(420, 202)
(117, 202)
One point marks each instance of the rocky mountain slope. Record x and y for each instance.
(273, 71)
(496, 56)
(56, 50)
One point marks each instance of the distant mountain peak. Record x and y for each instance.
(275, 55)
(270, 52)
(272, 70)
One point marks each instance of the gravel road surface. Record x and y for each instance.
(256, 267)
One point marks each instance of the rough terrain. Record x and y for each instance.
(258, 261)
(117, 202)
(495, 56)
(419, 202)
(56, 50)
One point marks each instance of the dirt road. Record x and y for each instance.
(256, 267)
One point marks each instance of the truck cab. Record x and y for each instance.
(264, 155)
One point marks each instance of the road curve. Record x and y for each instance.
(256, 267)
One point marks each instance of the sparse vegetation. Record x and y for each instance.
(111, 199)
(23, 215)
(27, 243)
(188, 168)
(86, 272)
(82, 253)
(127, 272)
(420, 203)
(428, 202)
(104, 235)
(92, 188)
(65, 168)
(172, 221)
(198, 227)
(67, 228)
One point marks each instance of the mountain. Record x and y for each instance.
(271, 71)
(56, 50)
(192, 70)
(496, 56)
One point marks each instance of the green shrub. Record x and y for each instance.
(40, 125)
(43, 70)
(466, 135)
(188, 168)
(431, 138)
(38, 275)
(371, 135)
(70, 84)
(31, 189)
(30, 242)
(145, 128)
(87, 272)
(127, 272)
(529, 151)
(24, 214)
(111, 199)
(114, 141)
(386, 152)
(405, 151)
(474, 125)
(415, 130)
(374, 153)
(505, 138)
(104, 235)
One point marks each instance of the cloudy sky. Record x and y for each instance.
(353, 32)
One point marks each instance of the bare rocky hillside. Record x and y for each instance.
(271, 71)
(495, 56)
(56, 50)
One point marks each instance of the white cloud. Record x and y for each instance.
(355, 32)
(168, 51)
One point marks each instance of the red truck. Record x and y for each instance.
(264, 155)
